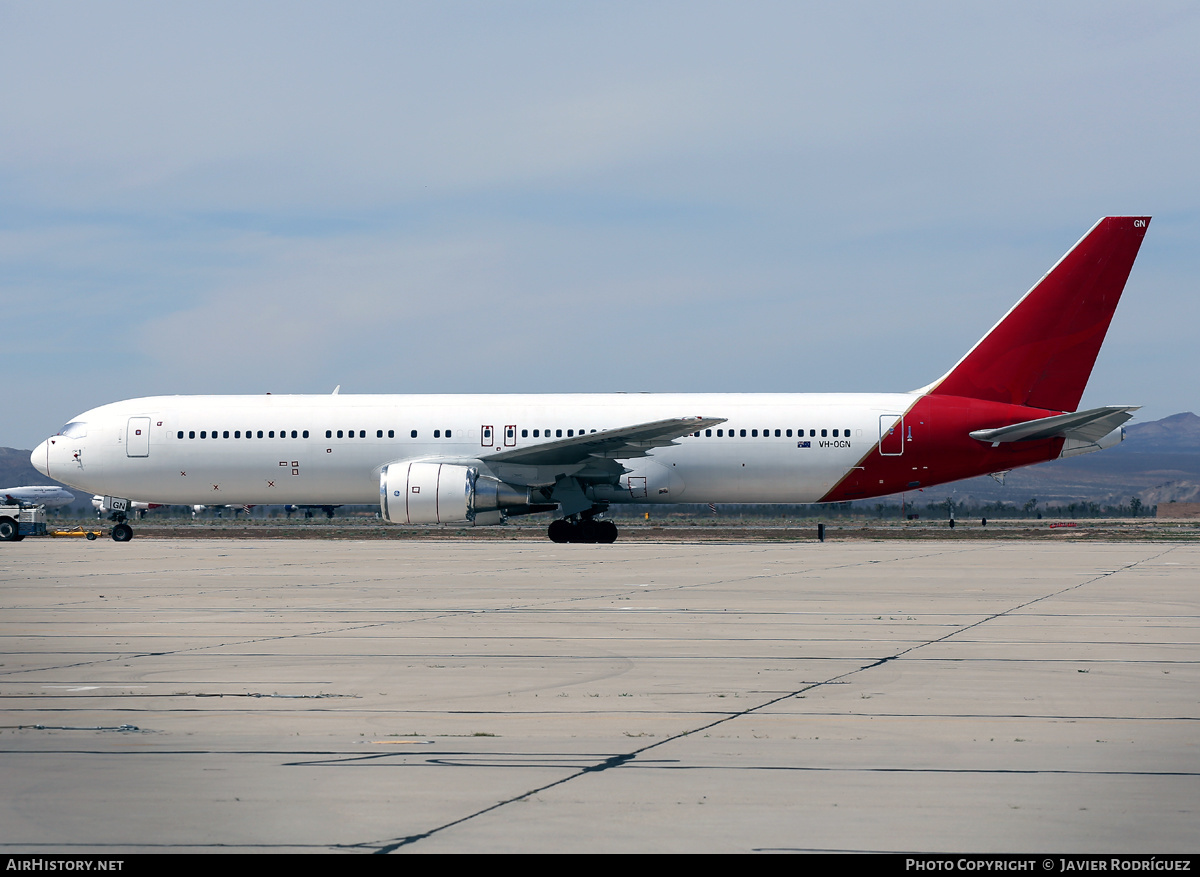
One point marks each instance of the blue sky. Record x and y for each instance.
(543, 197)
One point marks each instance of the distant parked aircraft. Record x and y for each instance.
(50, 497)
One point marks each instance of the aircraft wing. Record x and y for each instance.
(622, 443)
(1091, 425)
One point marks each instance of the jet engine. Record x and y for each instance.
(422, 492)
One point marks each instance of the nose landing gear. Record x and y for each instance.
(117, 507)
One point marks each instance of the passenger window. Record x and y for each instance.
(447, 433)
(437, 433)
(789, 433)
(192, 434)
(558, 433)
(824, 433)
(340, 433)
(414, 433)
(708, 433)
(391, 433)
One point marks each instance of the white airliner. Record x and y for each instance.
(50, 497)
(479, 459)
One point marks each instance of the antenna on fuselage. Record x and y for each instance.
(337, 390)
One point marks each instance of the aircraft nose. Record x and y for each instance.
(40, 458)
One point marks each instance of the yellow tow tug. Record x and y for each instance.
(17, 522)
(77, 531)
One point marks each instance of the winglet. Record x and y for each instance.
(1041, 353)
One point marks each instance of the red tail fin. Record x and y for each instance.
(1042, 352)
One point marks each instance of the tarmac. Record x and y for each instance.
(210, 695)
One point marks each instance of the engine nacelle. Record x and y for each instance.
(421, 492)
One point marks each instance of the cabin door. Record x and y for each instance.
(137, 437)
(891, 435)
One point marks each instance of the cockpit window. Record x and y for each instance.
(75, 429)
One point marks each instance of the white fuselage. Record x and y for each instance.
(330, 449)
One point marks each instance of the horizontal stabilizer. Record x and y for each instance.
(1091, 426)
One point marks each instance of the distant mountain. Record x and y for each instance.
(1178, 433)
(17, 471)
(1158, 462)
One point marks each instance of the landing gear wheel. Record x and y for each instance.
(585, 532)
(122, 533)
(9, 530)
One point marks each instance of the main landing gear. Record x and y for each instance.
(587, 531)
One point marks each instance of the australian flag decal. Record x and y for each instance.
(804, 444)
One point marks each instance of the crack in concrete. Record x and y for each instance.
(620, 760)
